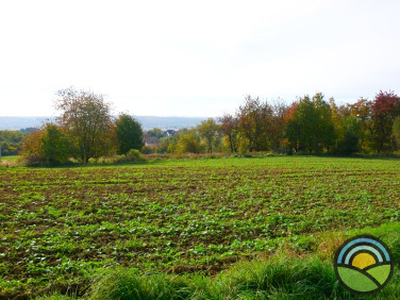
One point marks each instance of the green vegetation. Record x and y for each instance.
(129, 133)
(11, 142)
(10, 158)
(169, 226)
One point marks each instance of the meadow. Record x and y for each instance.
(83, 231)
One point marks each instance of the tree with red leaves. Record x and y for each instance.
(385, 109)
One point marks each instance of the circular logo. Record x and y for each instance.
(363, 264)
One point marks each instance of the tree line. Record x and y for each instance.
(85, 129)
(308, 125)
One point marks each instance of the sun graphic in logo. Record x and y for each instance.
(363, 264)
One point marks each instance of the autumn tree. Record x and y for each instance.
(255, 119)
(229, 127)
(209, 130)
(129, 133)
(49, 145)
(361, 111)
(276, 129)
(337, 121)
(292, 128)
(31, 147)
(86, 120)
(185, 142)
(385, 109)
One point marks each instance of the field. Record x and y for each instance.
(63, 228)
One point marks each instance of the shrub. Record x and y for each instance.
(134, 155)
(48, 146)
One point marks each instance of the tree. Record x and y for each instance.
(292, 128)
(255, 121)
(337, 121)
(86, 120)
(349, 143)
(396, 131)
(156, 133)
(210, 131)
(361, 111)
(31, 147)
(49, 145)
(229, 127)
(385, 109)
(309, 126)
(186, 142)
(325, 131)
(305, 120)
(276, 129)
(129, 133)
(11, 141)
(54, 145)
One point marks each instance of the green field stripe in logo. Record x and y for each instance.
(356, 280)
(380, 273)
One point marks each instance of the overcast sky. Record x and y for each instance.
(195, 58)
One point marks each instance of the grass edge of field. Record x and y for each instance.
(283, 275)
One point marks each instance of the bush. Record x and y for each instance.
(349, 144)
(134, 155)
(243, 147)
(147, 150)
(48, 146)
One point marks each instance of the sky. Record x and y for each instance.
(195, 58)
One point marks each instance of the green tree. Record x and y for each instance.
(187, 142)
(11, 142)
(49, 145)
(396, 131)
(325, 130)
(310, 126)
(306, 122)
(86, 119)
(129, 133)
(361, 111)
(350, 142)
(54, 145)
(155, 133)
(210, 131)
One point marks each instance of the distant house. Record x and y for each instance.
(150, 142)
(170, 132)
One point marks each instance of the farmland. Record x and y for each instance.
(63, 227)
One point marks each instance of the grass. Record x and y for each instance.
(10, 158)
(187, 222)
(281, 276)
(9, 161)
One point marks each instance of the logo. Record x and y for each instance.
(363, 264)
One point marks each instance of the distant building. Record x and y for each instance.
(150, 142)
(170, 132)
